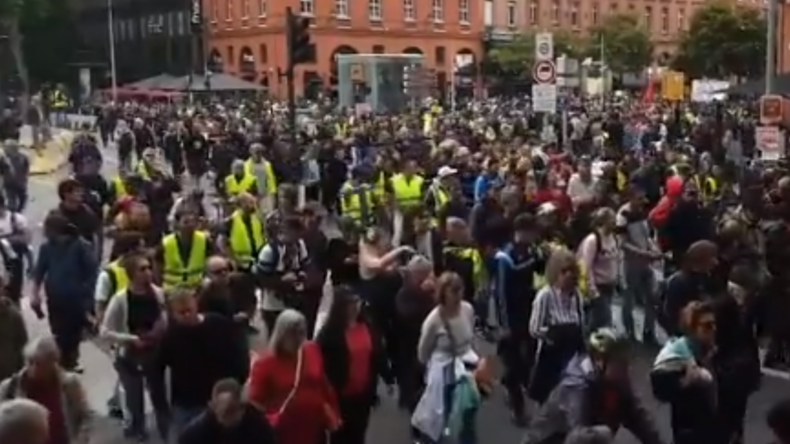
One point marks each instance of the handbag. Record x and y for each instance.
(274, 418)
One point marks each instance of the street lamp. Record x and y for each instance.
(111, 34)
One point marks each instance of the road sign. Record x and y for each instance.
(544, 98)
(770, 142)
(544, 46)
(673, 86)
(544, 71)
(771, 109)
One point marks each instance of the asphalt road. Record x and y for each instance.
(389, 425)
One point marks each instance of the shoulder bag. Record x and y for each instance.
(274, 418)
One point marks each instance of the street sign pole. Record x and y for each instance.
(544, 90)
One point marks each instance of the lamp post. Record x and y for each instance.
(772, 15)
(111, 37)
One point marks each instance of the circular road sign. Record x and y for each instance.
(544, 48)
(544, 71)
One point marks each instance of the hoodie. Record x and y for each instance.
(659, 214)
(584, 400)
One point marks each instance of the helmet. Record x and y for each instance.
(607, 343)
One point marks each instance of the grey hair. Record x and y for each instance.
(18, 417)
(43, 347)
(286, 324)
(419, 263)
(560, 259)
(590, 435)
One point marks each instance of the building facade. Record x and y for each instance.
(247, 37)
(151, 37)
(665, 19)
(783, 39)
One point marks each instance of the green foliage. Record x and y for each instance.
(625, 42)
(723, 40)
(518, 55)
(16, 9)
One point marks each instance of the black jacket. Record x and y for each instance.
(334, 352)
(252, 429)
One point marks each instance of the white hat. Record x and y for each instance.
(546, 208)
(446, 171)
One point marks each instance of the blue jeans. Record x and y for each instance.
(137, 377)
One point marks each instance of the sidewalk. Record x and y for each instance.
(54, 154)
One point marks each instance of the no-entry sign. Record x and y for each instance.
(544, 71)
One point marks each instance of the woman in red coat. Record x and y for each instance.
(288, 383)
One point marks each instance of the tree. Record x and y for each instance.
(624, 43)
(518, 55)
(723, 40)
(11, 15)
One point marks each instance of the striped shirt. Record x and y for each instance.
(551, 307)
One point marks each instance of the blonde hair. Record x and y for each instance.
(446, 281)
(559, 261)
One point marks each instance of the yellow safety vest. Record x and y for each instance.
(341, 129)
(176, 272)
(708, 189)
(245, 243)
(622, 181)
(271, 179)
(380, 186)
(119, 188)
(234, 186)
(407, 194)
(121, 278)
(142, 170)
(352, 198)
(440, 199)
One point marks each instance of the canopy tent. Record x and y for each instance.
(757, 87)
(214, 82)
(154, 82)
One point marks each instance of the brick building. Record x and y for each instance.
(783, 39)
(665, 19)
(247, 37)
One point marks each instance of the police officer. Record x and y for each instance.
(408, 188)
(183, 254)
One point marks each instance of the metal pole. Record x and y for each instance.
(113, 67)
(770, 45)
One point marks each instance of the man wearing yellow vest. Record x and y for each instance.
(146, 167)
(239, 182)
(261, 169)
(438, 195)
(183, 254)
(358, 199)
(244, 235)
(408, 190)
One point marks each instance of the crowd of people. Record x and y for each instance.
(376, 251)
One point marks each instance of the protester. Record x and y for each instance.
(61, 393)
(13, 337)
(290, 387)
(23, 421)
(683, 377)
(228, 419)
(354, 361)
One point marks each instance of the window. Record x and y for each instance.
(181, 20)
(463, 11)
(555, 12)
(171, 18)
(263, 54)
(438, 11)
(245, 9)
(440, 55)
(681, 20)
(665, 20)
(341, 8)
(649, 18)
(261, 8)
(374, 10)
(574, 15)
(306, 7)
(228, 10)
(511, 14)
(614, 8)
(533, 12)
(214, 10)
(230, 53)
(596, 14)
(409, 14)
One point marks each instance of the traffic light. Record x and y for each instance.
(300, 49)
